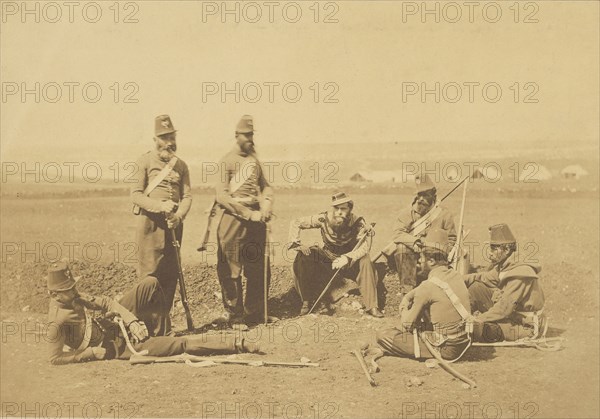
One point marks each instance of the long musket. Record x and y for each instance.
(183, 357)
(181, 281)
(424, 221)
(266, 271)
(458, 254)
(212, 212)
(362, 239)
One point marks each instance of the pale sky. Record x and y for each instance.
(367, 55)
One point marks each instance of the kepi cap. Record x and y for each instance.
(424, 183)
(60, 277)
(245, 126)
(340, 198)
(436, 239)
(163, 125)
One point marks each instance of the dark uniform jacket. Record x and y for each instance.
(67, 325)
(518, 289)
(335, 243)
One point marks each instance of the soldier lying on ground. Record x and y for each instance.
(341, 231)
(442, 300)
(74, 321)
(508, 297)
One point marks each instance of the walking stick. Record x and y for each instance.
(180, 280)
(266, 269)
(356, 246)
(458, 253)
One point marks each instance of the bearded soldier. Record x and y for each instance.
(246, 197)
(508, 298)
(87, 326)
(438, 309)
(403, 253)
(341, 231)
(162, 198)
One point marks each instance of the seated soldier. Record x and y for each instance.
(93, 338)
(341, 231)
(442, 300)
(508, 297)
(410, 229)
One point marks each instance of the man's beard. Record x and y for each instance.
(338, 223)
(423, 205)
(166, 154)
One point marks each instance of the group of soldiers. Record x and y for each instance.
(441, 308)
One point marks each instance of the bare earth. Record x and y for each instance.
(563, 236)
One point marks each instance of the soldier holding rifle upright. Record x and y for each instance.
(246, 197)
(403, 252)
(162, 198)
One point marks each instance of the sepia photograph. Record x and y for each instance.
(300, 209)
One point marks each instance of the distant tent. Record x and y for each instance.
(358, 177)
(379, 176)
(573, 171)
(534, 173)
(478, 173)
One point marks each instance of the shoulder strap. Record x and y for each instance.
(464, 313)
(161, 176)
(425, 221)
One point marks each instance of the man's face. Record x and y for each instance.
(245, 142)
(498, 252)
(166, 146)
(65, 297)
(424, 201)
(341, 213)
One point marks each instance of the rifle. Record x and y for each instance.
(425, 221)
(136, 359)
(180, 280)
(212, 212)
(457, 255)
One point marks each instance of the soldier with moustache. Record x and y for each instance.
(341, 230)
(507, 299)
(403, 252)
(162, 198)
(86, 325)
(246, 198)
(438, 309)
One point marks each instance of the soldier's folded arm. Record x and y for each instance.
(489, 278)
(56, 338)
(302, 223)
(401, 234)
(409, 318)
(185, 192)
(223, 195)
(138, 196)
(512, 293)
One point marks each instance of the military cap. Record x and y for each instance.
(424, 183)
(340, 198)
(501, 234)
(245, 126)
(60, 277)
(163, 125)
(436, 239)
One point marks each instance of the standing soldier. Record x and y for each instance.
(341, 231)
(246, 197)
(162, 198)
(403, 252)
(508, 298)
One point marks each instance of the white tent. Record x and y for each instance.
(573, 171)
(534, 173)
(381, 176)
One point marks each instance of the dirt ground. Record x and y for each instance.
(562, 234)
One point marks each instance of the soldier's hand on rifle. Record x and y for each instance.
(138, 330)
(340, 262)
(167, 206)
(173, 221)
(99, 352)
(256, 216)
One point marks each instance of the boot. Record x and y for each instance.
(243, 345)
